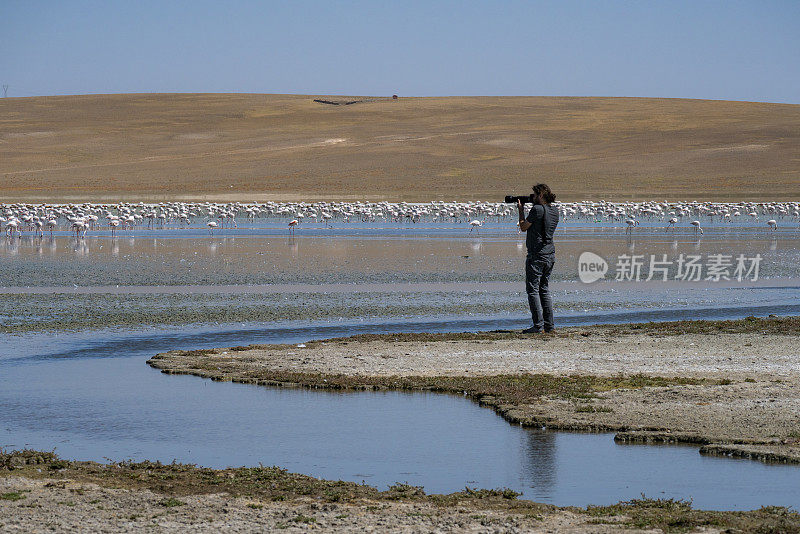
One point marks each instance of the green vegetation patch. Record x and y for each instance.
(261, 483)
(171, 502)
(174, 481)
(28, 457)
(676, 515)
(748, 325)
(493, 389)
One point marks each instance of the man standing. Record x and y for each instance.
(540, 224)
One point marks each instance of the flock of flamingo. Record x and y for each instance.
(36, 219)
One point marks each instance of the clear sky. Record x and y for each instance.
(731, 50)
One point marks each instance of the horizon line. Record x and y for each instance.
(403, 96)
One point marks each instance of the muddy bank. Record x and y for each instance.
(40, 492)
(729, 386)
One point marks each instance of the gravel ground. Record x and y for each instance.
(600, 352)
(67, 506)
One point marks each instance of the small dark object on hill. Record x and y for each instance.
(333, 103)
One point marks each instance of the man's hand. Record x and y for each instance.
(523, 224)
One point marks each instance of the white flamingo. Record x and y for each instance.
(697, 228)
(474, 225)
(631, 223)
(671, 224)
(211, 225)
(11, 227)
(51, 224)
(292, 224)
(773, 224)
(80, 227)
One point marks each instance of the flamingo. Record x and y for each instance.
(773, 224)
(52, 223)
(211, 225)
(80, 228)
(11, 227)
(671, 224)
(474, 225)
(631, 223)
(113, 223)
(696, 225)
(292, 224)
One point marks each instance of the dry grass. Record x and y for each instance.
(749, 325)
(493, 390)
(287, 147)
(176, 481)
(268, 483)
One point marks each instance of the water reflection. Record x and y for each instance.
(335, 259)
(540, 461)
(81, 247)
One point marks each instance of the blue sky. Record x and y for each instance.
(728, 50)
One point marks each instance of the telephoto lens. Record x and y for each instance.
(513, 199)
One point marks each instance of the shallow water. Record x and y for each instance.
(93, 399)
(374, 257)
(62, 284)
(78, 319)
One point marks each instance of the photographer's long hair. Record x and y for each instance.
(543, 189)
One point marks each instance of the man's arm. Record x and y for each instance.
(523, 224)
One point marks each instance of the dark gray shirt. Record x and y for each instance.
(544, 220)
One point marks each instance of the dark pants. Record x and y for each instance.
(537, 274)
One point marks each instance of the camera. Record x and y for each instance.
(527, 199)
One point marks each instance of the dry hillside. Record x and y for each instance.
(288, 147)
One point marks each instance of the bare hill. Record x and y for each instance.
(288, 147)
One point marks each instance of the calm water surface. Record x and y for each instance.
(61, 284)
(104, 402)
(73, 347)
